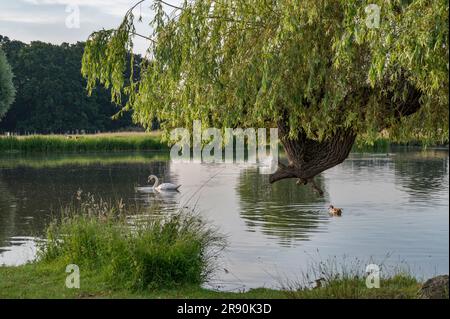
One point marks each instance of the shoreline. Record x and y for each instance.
(136, 141)
(47, 281)
(82, 143)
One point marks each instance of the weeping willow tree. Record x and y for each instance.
(313, 68)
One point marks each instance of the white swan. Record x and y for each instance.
(163, 186)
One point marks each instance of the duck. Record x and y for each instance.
(164, 186)
(334, 211)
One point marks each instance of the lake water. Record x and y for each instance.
(395, 209)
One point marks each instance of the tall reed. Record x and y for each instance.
(179, 249)
(41, 143)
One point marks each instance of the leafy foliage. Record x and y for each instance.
(7, 91)
(179, 249)
(313, 64)
(51, 94)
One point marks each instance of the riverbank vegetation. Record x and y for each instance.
(133, 141)
(383, 144)
(48, 281)
(47, 160)
(142, 253)
(82, 143)
(170, 257)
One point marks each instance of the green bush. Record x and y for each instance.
(148, 253)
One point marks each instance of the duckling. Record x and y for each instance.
(333, 211)
(319, 283)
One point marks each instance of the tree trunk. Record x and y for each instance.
(308, 158)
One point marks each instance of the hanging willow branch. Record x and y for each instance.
(312, 68)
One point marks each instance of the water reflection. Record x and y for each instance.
(157, 203)
(32, 191)
(423, 174)
(8, 211)
(393, 203)
(282, 210)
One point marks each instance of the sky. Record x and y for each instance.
(57, 21)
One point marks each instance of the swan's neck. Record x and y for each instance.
(156, 182)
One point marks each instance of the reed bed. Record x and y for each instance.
(61, 143)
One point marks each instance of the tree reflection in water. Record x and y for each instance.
(422, 174)
(282, 210)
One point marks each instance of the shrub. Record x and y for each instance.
(177, 249)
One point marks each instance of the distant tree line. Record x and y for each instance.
(51, 93)
(7, 90)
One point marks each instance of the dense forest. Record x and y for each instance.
(51, 93)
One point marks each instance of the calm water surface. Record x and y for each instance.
(395, 209)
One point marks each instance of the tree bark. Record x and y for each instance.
(308, 158)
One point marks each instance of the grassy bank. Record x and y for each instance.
(48, 281)
(140, 253)
(384, 144)
(51, 160)
(128, 141)
(171, 257)
(82, 143)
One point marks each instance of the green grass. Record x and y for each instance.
(379, 145)
(384, 144)
(125, 142)
(344, 278)
(59, 143)
(175, 250)
(170, 257)
(47, 280)
(45, 160)
(399, 286)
